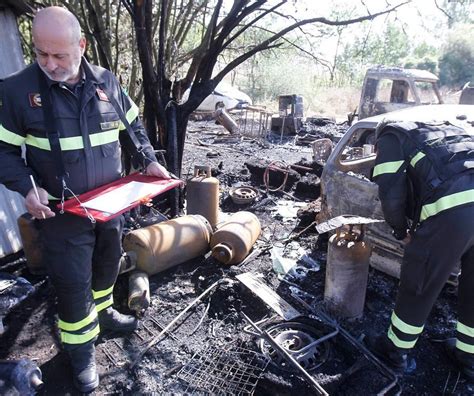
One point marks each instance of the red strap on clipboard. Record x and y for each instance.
(73, 206)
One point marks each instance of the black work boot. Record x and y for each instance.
(463, 360)
(84, 370)
(111, 319)
(383, 348)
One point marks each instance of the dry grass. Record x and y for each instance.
(324, 102)
(338, 102)
(333, 102)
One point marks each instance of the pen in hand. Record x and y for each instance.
(36, 193)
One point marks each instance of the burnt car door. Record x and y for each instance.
(347, 189)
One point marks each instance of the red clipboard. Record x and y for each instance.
(73, 206)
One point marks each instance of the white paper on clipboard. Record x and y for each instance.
(122, 197)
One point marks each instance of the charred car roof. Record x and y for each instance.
(394, 72)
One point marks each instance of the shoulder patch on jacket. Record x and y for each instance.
(35, 99)
(102, 95)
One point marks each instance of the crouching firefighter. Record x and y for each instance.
(426, 172)
(72, 118)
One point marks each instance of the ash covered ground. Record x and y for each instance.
(213, 345)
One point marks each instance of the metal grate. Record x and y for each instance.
(221, 371)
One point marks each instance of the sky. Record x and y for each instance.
(417, 18)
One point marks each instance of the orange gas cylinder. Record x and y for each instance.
(169, 243)
(202, 194)
(232, 241)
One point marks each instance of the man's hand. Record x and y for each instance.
(37, 208)
(155, 169)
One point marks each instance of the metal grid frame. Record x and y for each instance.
(221, 371)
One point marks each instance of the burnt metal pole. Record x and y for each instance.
(172, 150)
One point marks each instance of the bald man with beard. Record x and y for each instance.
(64, 111)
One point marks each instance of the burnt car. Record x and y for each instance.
(387, 89)
(346, 185)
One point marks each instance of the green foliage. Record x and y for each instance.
(389, 48)
(424, 57)
(457, 57)
(24, 27)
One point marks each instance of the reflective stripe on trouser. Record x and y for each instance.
(103, 298)
(79, 332)
(402, 334)
(440, 244)
(81, 257)
(465, 338)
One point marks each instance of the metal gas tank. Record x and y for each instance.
(202, 194)
(232, 241)
(347, 270)
(169, 243)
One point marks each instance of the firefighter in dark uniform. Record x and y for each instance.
(82, 256)
(425, 173)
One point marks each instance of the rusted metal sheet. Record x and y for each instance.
(11, 204)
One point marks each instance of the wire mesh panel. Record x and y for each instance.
(220, 371)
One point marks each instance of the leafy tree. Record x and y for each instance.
(424, 57)
(457, 57)
(165, 116)
(389, 48)
(186, 44)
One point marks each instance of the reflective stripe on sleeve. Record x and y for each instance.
(416, 158)
(131, 115)
(387, 167)
(69, 338)
(78, 325)
(10, 137)
(447, 202)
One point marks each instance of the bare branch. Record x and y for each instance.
(293, 44)
(264, 45)
(442, 10)
(128, 6)
(251, 23)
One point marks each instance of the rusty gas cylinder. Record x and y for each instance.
(138, 292)
(226, 120)
(202, 194)
(347, 270)
(232, 241)
(32, 244)
(169, 243)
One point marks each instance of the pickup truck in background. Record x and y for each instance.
(387, 89)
